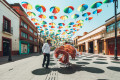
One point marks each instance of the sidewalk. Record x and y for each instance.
(4, 59)
(84, 67)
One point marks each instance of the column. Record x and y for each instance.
(86, 47)
(105, 47)
(95, 47)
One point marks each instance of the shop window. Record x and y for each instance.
(24, 35)
(6, 25)
(31, 38)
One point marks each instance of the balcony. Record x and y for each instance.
(8, 31)
(28, 32)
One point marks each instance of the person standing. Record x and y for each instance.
(46, 53)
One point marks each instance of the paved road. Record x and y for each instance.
(85, 67)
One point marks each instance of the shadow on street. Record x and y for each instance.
(4, 59)
(68, 70)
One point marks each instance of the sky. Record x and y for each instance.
(98, 20)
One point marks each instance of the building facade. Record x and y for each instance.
(75, 40)
(92, 41)
(109, 39)
(9, 30)
(101, 40)
(28, 32)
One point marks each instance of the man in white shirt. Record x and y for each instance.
(46, 53)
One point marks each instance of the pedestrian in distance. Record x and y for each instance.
(46, 53)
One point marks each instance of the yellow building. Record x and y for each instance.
(101, 39)
(75, 40)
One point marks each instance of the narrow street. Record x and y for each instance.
(84, 67)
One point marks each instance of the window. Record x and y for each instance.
(24, 35)
(35, 40)
(6, 25)
(31, 38)
(35, 34)
(24, 24)
(31, 30)
(112, 26)
(118, 24)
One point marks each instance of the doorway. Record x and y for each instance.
(100, 47)
(91, 47)
(31, 48)
(111, 47)
(6, 47)
(83, 48)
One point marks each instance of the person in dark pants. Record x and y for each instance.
(46, 53)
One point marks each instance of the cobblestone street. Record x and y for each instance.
(84, 67)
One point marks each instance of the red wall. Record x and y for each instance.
(111, 46)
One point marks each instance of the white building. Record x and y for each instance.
(9, 29)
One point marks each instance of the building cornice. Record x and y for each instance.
(4, 2)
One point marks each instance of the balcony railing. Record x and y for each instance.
(7, 31)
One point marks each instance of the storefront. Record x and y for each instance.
(24, 47)
(82, 48)
(111, 46)
(91, 47)
(100, 46)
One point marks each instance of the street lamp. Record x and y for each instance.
(115, 6)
